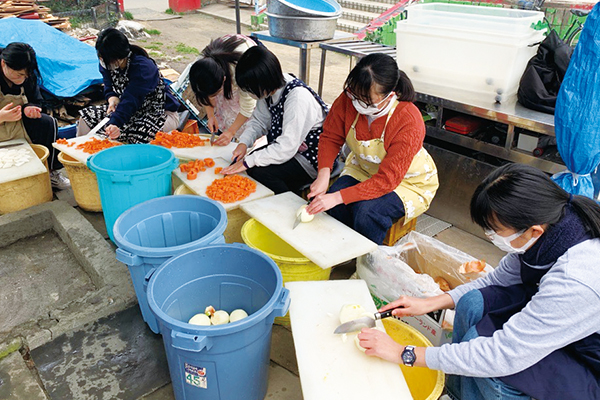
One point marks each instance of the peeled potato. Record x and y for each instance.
(199, 319)
(220, 318)
(304, 216)
(238, 314)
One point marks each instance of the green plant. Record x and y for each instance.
(128, 15)
(185, 49)
(155, 54)
(152, 47)
(169, 11)
(154, 32)
(158, 43)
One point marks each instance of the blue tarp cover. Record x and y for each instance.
(577, 115)
(67, 65)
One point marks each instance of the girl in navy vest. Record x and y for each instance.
(289, 114)
(530, 328)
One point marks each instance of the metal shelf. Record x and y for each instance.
(494, 150)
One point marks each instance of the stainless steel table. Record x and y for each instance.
(304, 47)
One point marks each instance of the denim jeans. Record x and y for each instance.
(371, 218)
(469, 312)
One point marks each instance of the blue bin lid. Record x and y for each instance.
(137, 216)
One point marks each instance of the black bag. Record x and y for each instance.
(544, 73)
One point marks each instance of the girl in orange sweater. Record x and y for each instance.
(388, 174)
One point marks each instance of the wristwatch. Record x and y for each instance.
(408, 356)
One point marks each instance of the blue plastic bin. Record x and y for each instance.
(129, 175)
(223, 362)
(67, 132)
(154, 231)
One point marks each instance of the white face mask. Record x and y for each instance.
(504, 243)
(372, 110)
(111, 67)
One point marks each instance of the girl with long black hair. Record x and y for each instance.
(139, 103)
(21, 113)
(388, 174)
(212, 78)
(530, 328)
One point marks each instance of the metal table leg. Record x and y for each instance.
(304, 65)
(322, 71)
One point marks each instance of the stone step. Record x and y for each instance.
(376, 7)
(362, 17)
(348, 25)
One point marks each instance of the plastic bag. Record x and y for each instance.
(409, 268)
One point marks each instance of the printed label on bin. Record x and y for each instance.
(195, 376)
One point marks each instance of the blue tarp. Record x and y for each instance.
(577, 115)
(67, 65)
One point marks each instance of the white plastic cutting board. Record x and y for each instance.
(206, 151)
(207, 177)
(79, 155)
(324, 241)
(331, 368)
(31, 168)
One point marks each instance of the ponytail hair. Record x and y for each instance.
(381, 70)
(112, 45)
(519, 196)
(213, 70)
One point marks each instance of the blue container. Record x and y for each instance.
(223, 362)
(154, 231)
(129, 175)
(67, 132)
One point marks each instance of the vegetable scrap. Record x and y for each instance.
(65, 142)
(218, 170)
(14, 158)
(231, 188)
(472, 267)
(178, 139)
(95, 145)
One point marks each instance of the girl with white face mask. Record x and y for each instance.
(388, 174)
(530, 328)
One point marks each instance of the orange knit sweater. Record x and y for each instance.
(403, 139)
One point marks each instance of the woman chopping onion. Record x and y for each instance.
(388, 174)
(530, 328)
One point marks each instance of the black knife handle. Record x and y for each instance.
(386, 314)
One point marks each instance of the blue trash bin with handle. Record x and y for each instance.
(150, 233)
(218, 362)
(129, 175)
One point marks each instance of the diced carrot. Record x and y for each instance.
(231, 188)
(218, 170)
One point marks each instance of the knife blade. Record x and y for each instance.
(212, 136)
(298, 219)
(363, 322)
(99, 126)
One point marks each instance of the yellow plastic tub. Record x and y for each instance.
(235, 218)
(423, 383)
(83, 183)
(27, 192)
(293, 265)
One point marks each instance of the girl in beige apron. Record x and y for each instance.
(372, 217)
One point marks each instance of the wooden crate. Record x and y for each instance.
(398, 230)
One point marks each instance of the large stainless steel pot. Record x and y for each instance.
(303, 29)
(304, 8)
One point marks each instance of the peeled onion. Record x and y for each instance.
(220, 318)
(238, 314)
(199, 319)
(350, 312)
(304, 216)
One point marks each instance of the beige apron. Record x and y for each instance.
(419, 184)
(14, 129)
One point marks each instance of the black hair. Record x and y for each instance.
(21, 56)
(520, 196)
(112, 45)
(259, 72)
(380, 69)
(208, 74)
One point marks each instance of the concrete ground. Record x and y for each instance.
(109, 353)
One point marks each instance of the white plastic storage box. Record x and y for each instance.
(467, 52)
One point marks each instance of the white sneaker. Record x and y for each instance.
(59, 181)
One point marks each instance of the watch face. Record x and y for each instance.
(408, 357)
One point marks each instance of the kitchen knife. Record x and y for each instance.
(364, 322)
(212, 136)
(11, 145)
(99, 126)
(298, 219)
